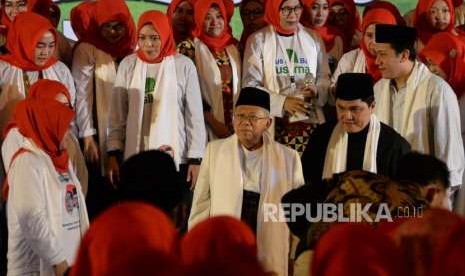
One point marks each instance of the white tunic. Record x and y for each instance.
(220, 186)
(128, 105)
(430, 119)
(45, 225)
(262, 62)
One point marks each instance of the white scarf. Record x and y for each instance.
(415, 100)
(360, 65)
(336, 153)
(105, 75)
(164, 117)
(210, 78)
(276, 180)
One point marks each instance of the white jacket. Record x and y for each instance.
(34, 210)
(219, 191)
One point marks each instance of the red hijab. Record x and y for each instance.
(352, 26)
(218, 240)
(5, 20)
(88, 17)
(387, 6)
(25, 32)
(200, 12)
(326, 32)
(126, 230)
(81, 19)
(162, 25)
(272, 15)
(422, 23)
(448, 52)
(378, 16)
(356, 249)
(42, 89)
(45, 122)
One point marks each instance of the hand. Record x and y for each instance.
(309, 91)
(192, 173)
(60, 268)
(112, 171)
(293, 105)
(91, 151)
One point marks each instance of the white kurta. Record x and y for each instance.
(12, 86)
(94, 72)
(36, 221)
(260, 58)
(210, 78)
(430, 117)
(220, 186)
(128, 105)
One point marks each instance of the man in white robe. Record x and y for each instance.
(419, 105)
(246, 175)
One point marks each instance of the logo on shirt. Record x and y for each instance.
(71, 198)
(300, 64)
(149, 89)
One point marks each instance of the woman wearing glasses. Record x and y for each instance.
(218, 62)
(156, 101)
(286, 59)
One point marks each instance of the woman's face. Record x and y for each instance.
(213, 25)
(319, 12)
(340, 15)
(45, 49)
(369, 38)
(183, 17)
(252, 15)
(149, 42)
(14, 7)
(113, 31)
(439, 15)
(289, 14)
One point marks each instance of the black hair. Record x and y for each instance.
(399, 47)
(151, 176)
(369, 100)
(423, 169)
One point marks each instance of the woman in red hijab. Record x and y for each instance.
(47, 90)
(289, 61)
(221, 241)
(46, 208)
(109, 35)
(156, 102)
(218, 63)
(181, 15)
(362, 59)
(315, 16)
(433, 16)
(125, 238)
(345, 17)
(444, 55)
(356, 249)
(31, 44)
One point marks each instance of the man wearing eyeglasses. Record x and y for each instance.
(358, 141)
(241, 174)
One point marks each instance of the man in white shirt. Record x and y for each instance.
(242, 173)
(419, 105)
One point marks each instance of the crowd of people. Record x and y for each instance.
(167, 146)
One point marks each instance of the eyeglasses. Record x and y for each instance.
(286, 11)
(251, 118)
